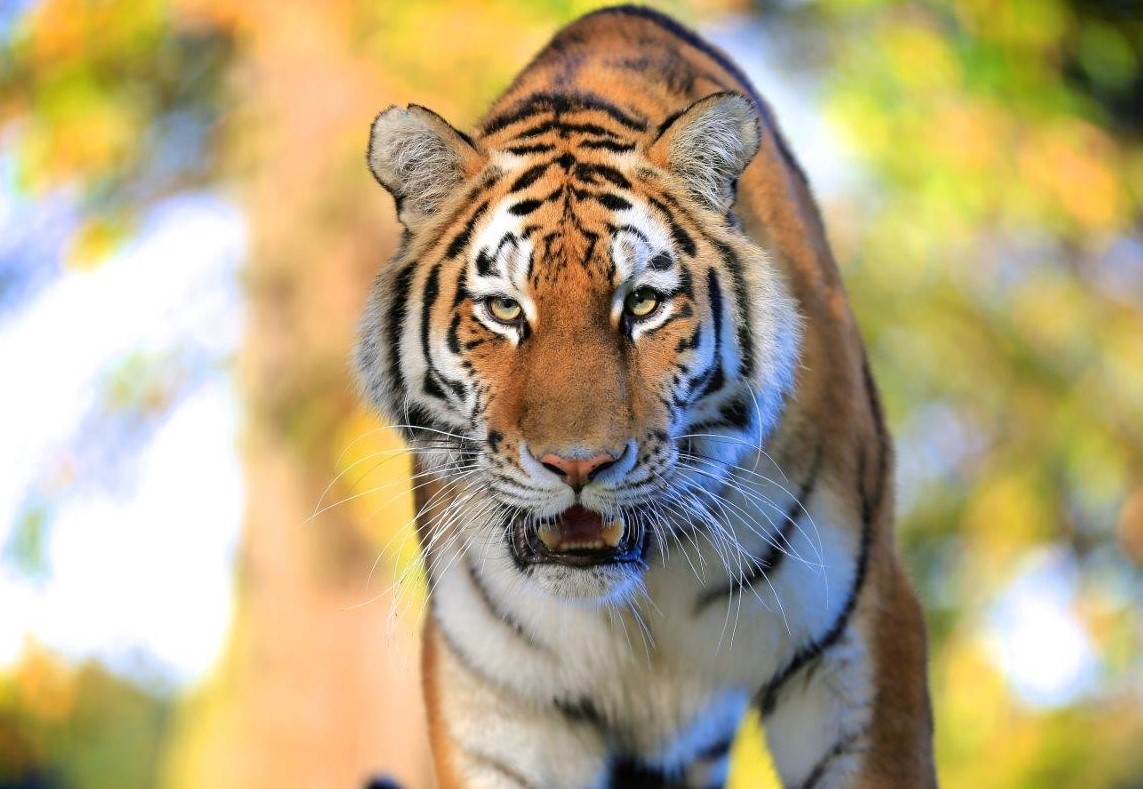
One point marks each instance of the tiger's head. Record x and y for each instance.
(574, 334)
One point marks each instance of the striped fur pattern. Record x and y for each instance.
(625, 263)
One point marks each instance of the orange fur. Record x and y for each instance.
(539, 390)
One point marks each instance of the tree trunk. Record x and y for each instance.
(313, 692)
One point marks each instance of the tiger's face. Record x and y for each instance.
(574, 335)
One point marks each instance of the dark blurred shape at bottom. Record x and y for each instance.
(378, 782)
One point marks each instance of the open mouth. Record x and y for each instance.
(578, 537)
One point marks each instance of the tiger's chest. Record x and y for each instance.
(671, 671)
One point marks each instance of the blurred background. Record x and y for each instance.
(201, 531)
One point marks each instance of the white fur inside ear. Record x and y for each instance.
(711, 144)
(414, 160)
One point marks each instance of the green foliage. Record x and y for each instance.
(25, 548)
(117, 99)
(79, 728)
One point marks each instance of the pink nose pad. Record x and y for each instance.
(577, 471)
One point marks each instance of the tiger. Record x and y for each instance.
(653, 477)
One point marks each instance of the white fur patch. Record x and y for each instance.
(670, 682)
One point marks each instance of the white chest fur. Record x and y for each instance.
(671, 670)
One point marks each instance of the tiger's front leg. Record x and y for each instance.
(851, 710)
(486, 737)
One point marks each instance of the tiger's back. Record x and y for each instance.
(676, 514)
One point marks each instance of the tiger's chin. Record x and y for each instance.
(581, 554)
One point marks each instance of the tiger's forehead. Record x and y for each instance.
(559, 215)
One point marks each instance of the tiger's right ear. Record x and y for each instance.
(420, 159)
(709, 146)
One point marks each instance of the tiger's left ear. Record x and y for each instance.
(709, 145)
(420, 159)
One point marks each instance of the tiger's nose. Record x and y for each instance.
(577, 472)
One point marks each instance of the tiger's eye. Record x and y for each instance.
(642, 302)
(505, 310)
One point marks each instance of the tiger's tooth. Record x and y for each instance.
(550, 535)
(612, 533)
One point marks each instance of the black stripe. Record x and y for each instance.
(466, 661)
(874, 401)
(686, 284)
(593, 129)
(565, 130)
(680, 236)
(507, 238)
(582, 711)
(612, 202)
(431, 387)
(459, 390)
(486, 259)
(525, 207)
(678, 316)
(588, 172)
(428, 298)
(626, 773)
(529, 177)
(743, 331)
(592, 240)
(520, 112)
(818, 772)
(539, 147)
(535, 131)
(398, 311)
(500, 767)
(689, 344)
(561, 103)
(433, 376)
(461, 239)
(483, 263)
(461, 288)
(608, 145)
(420, 421)
(454, 334)
(496, 611)
(767, 696)
(715, 290)
(734, 266)
(742, 325)
(633, 231)
(719, 750)
(771, 561)
(736, 414)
